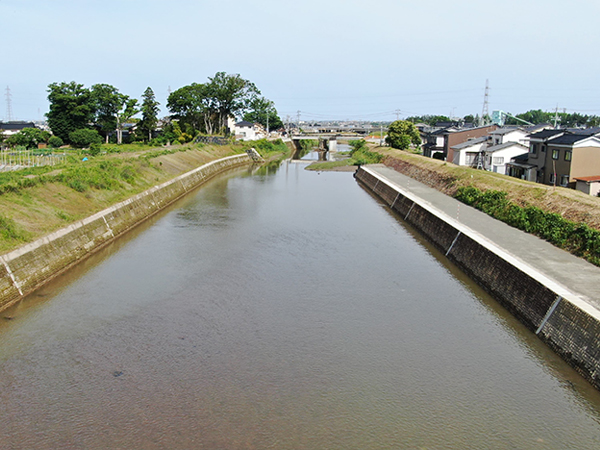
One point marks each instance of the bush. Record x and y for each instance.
(579, 239)
(84, 138)
(55, 142)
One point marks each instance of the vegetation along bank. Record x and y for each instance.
(567, 218)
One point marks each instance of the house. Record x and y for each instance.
(433, 140)
(10, 128)
(508, 134)
(248, 131)
(452, 138)
(588, 185)
(519, 167)
(562, 156)
(497, 156)
(469, 153)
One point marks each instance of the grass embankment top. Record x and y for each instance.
(567, 218)
(38, 200)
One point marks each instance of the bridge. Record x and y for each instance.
(327, 141)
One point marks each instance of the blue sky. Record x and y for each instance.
(328, 59)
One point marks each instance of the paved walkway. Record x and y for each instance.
(573, 273)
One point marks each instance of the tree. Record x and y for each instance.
(84, 137)
(263, 111)
(107, 101)
(231, 95)
(28, 138)
(193, 105)
(71, 108)
(206, 107)
(149, 111)
(401, 134)
(127, 111)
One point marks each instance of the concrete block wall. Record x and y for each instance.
(30, 266)
(570, 326)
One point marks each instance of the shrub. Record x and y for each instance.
(579, 239)
(55, 142)
(84, 138)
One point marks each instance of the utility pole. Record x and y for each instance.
(298, 121)
(556, 116)
(8, 105)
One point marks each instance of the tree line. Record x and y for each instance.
(534, 116)
(82, 116)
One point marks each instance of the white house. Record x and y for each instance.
(466, 153)
(508, 134)
(496, 156)
(248, 131)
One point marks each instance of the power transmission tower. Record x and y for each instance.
(485, 112)
(298, 121)
(397, 114)
(8, 105)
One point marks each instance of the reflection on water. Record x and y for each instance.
(280, 309)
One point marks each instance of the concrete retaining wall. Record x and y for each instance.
(30, 266)
(569, 325)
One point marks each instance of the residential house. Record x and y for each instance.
(470, 153)
(519, 167)
(497, 156)
(433, 140)
(452, 138)
(508, 134)
(562, 156)
(247, 131)
(10, 128)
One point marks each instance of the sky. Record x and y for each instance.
(375, 60)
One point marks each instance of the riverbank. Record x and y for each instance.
(25, 269)
(555, 294)
(50, 248)
(448, 178)
(37, 201)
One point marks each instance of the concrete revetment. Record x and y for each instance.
(561, 318)
(28, 267)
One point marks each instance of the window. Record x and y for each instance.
(543, 148)
(568, 155)
(555, 154)
(551, 178)
(533, 149)
(564, 180)
(498, 160)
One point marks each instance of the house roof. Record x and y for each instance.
(470, 143)
(495, 148)
(505, 130)
(592, 179)
(545, 134)
(244, 123)
(17, 125)
(570, 138)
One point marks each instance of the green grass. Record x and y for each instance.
(328, 165)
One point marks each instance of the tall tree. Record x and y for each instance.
(195, 106)
(127, 111)
(263, 111)
(149, 111)
(232, 95)
(108, 101)
(71, 108)
(402, 133)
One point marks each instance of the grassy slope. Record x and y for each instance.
(446, 177)
(38, 210)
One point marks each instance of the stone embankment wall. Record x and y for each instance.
(570, 326)
(30, 266)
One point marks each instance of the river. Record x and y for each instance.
(280, 309)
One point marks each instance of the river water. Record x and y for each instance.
(279, 309)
